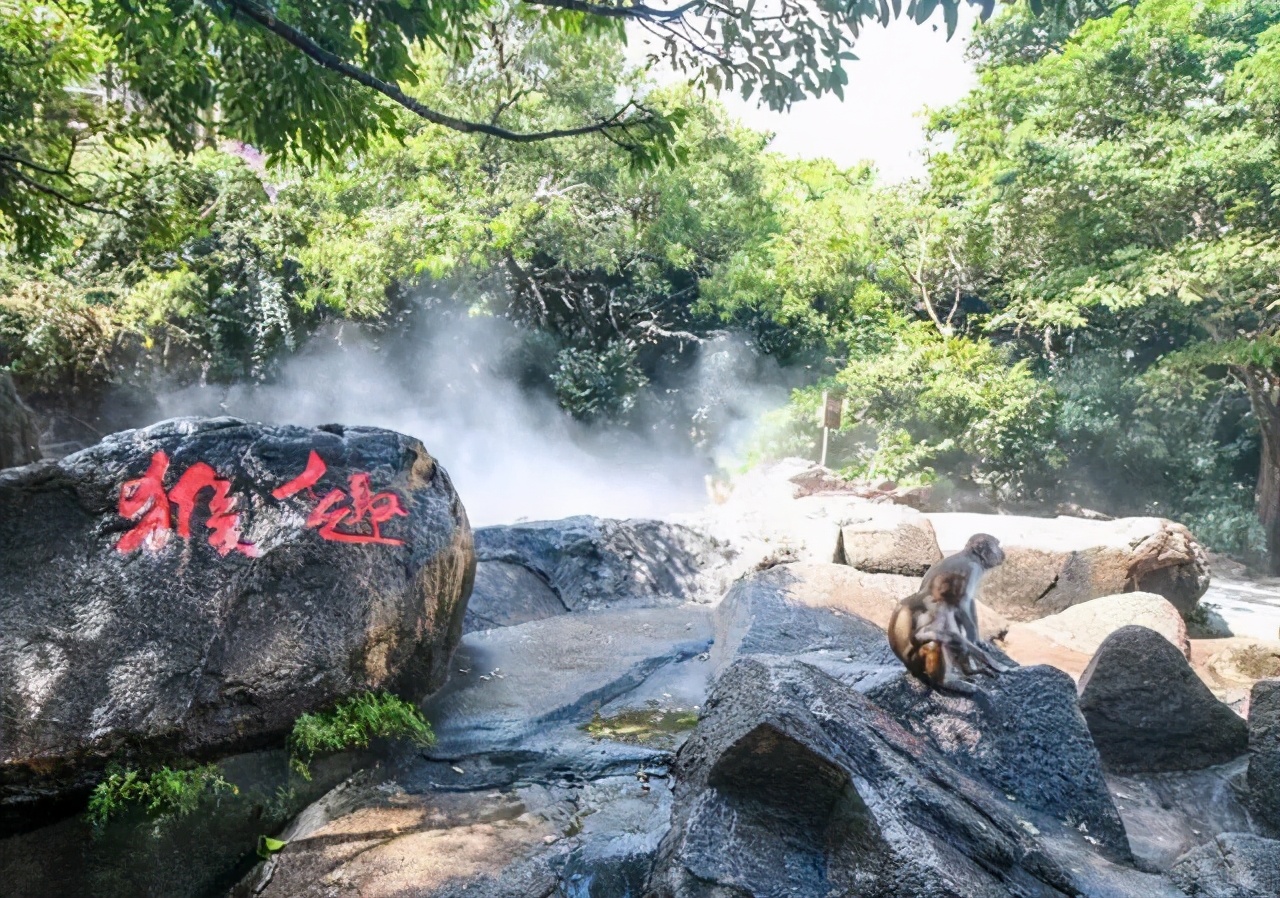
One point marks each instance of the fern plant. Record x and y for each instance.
(352, 724)
(162, 793)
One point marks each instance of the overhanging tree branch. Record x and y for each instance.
(634, 11)
(40, 187)
(322, 57)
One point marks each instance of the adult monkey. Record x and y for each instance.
(980, 554)
(935, 631)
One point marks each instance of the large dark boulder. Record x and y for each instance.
(193, 587)
(1264, 753)
(778, 612)
(507, 594)
(1148, 711)
(794, 784)
(1026, 736)
(19, 432)
(1233, 865)
(595, 563)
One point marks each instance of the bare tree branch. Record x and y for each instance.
(322, 57)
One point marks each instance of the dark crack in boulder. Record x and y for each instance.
(193, 587)
(1148, 711)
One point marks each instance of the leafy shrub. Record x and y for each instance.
(162, 794)
(957, 409)
(352, 724)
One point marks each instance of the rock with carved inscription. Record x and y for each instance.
(191, 588)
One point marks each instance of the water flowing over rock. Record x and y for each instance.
(193, 587)
(803, 762)
(1148, 711)
(19, 433)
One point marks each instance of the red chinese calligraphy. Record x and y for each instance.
(145, 501)
(346, 517)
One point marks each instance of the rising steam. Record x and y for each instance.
(455, 382)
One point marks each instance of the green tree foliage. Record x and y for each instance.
(195, 276)
(812, 274)
(328, 80)
(46, 120)
(1122, 191)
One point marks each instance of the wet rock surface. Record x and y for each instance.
(1026, 737)
(813, 766)
(506, 594)
(615, 725)
(162, 595)
(203, 853)
(795, 784)
(1168, 814)
(1148, 711)
(1233, 865)
(596, 563)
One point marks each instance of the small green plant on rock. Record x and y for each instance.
(162, 793)
(352, 724)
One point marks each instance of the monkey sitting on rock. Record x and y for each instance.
(935, 631)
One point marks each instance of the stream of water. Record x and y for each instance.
(1250, 607)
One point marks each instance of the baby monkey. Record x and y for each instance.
(927, 633)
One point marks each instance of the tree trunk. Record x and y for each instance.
(1264, 396)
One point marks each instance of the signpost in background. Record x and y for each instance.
(830, 415)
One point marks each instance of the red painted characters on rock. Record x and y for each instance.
(146, 502)
(354, 515)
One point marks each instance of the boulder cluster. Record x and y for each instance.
(696, 709)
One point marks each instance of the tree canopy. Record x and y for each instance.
(1078, 304)
(323, 81)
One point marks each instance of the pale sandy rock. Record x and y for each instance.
(1054, 563)
(881, 541)
(429, 845)
(1083, 627)
(870, 596)
(1240, 661)
(1029, 648)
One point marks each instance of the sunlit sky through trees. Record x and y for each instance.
(900, 70)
